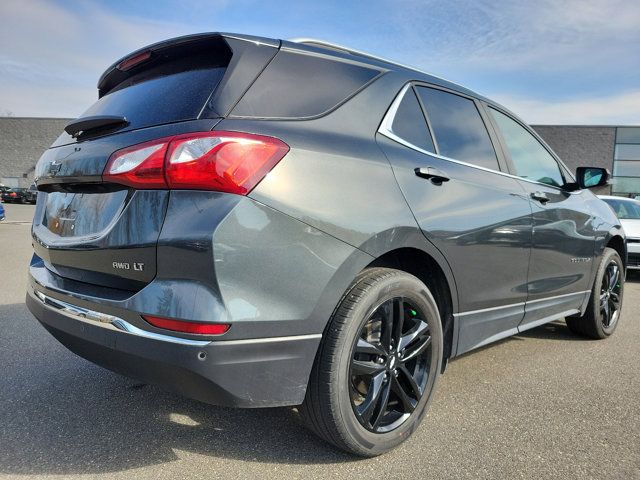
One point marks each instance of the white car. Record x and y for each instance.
(628, 211)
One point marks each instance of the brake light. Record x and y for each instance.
(13, 194)
(129, 63)
(187, 327)
(222, 161)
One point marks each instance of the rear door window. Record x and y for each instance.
(458, 128)
(410, 125)
(530, 159)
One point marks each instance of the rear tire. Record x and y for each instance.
(378, 364)
(603, 311)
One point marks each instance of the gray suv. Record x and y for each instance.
(256, 223)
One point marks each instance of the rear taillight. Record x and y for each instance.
(187, 327)
(223, 161)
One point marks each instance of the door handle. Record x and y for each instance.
(436, 176)
(540, 197)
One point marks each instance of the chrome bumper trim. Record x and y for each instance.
(116, 323)
(111, 321)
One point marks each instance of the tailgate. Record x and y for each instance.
(95, 232)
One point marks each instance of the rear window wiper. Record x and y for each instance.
(82, 125)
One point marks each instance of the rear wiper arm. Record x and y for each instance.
(81, 125)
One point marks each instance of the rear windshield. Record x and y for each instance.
(173, 84)
(146, 100)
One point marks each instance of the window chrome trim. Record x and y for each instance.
(386, 130)
(387, 121)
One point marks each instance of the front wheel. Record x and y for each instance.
(603, 311)
(377, 367)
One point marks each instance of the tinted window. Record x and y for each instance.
(458, 128)
(164, 99)
(296, 85)
(409, 123)
(530, 159)
(624, 209)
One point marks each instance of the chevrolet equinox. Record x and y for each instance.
(257, 223)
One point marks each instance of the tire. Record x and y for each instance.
(596, 323)
(337, 389)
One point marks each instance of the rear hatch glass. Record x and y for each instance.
(146, 100)
(170, 83)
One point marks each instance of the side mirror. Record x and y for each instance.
(591, 177)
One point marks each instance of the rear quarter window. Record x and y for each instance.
(296, 85)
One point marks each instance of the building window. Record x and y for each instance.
(626, 162)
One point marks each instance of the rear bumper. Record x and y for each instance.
(259, 372)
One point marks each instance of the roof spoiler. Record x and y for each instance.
(133, 63)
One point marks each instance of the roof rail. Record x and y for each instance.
(341, 48)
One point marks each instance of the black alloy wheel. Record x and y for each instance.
(390, 365)
(602, 315)
(378, 364)
(610, 295)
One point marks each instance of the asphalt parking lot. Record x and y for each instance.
(545, 404)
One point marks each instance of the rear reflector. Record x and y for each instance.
(222, 161)
(187, 327)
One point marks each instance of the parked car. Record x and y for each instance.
(258, 223)
(31, 194)
(628, 211)
(2, 215)
(15, 195)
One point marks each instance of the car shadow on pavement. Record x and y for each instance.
(63, 415)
